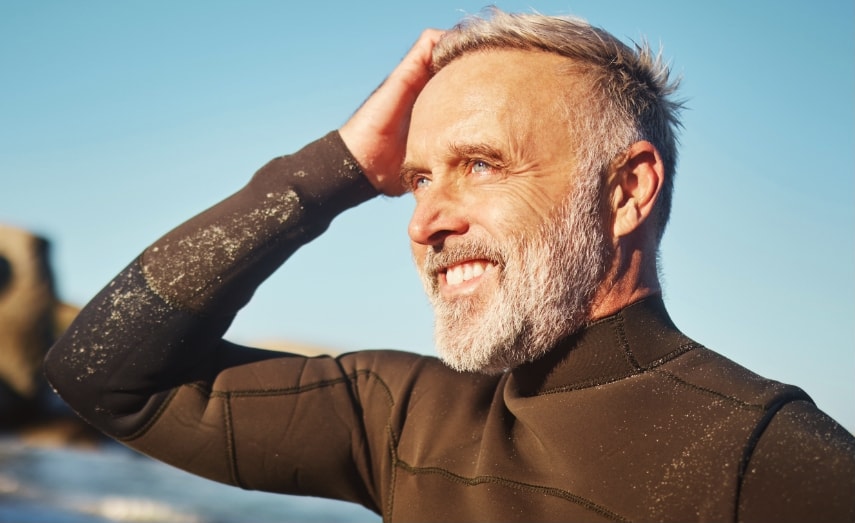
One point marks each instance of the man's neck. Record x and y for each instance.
(625, 283)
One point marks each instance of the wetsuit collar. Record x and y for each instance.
(638, 337)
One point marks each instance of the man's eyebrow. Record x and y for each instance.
(456, 152)
(407, 172)
(477, 150)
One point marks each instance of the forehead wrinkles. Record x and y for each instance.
(496, 97)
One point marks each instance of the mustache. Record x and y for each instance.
(439, 258)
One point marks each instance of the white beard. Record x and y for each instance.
(547, 281)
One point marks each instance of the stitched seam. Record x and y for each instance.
(393, 452)
(519, 485)
(289, 390)
(348, 379)
(353, 393)
(717, 394)
(682, 349)
(230, 442)
(393, 441)
(228, 395)
(652, 365)
(392, 437)
(204, 390)
(624, 343)
(151, 421)
(754, 438)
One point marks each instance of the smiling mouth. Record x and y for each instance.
(466, 271)
(459, 269)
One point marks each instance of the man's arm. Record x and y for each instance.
(156, 330)
(159, 323)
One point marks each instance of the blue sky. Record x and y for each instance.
(118, 120)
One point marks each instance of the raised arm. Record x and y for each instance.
(149, 346)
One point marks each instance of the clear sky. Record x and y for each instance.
(118, 120)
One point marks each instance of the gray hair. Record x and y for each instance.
(631, 89)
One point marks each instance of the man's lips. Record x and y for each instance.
(460, 269)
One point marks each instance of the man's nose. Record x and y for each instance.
(439, 213)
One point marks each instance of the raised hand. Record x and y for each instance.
(376, 134)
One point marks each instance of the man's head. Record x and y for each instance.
(629, 91)
(521, 156)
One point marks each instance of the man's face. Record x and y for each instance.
(508, 241)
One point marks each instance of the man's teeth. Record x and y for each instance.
(464, 272)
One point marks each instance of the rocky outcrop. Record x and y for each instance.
(31, 318)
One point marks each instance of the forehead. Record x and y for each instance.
(522, 75)
(509, 97)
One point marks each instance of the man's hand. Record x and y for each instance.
(377, 133)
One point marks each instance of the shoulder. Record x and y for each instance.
(801, 468)
(711, 374)
(797, 464)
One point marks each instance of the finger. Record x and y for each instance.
(416, 65)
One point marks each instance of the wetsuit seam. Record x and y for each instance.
(152, 419)
(228, 425)
(346, 379)
(511, 483)
(673, 377)
(391, 436)
(363, 430)
(771, 410)
(676, 353)
(623, 342)
(227, 396)
(230, 442)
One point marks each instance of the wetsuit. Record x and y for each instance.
(626, 420)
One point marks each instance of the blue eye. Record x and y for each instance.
(481, 167)
(420, 182)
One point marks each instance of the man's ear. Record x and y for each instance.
(635, 183)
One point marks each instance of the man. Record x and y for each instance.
(541, 155)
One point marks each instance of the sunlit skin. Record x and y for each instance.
(499, 107)
(487, 154)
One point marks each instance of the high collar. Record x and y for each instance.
(634, 339)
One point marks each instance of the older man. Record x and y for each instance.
(541, 155)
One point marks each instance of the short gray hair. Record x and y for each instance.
(631, 87)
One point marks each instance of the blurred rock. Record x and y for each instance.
(31, 318)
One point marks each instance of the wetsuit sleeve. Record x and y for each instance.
(801, 469)
(145, 360)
